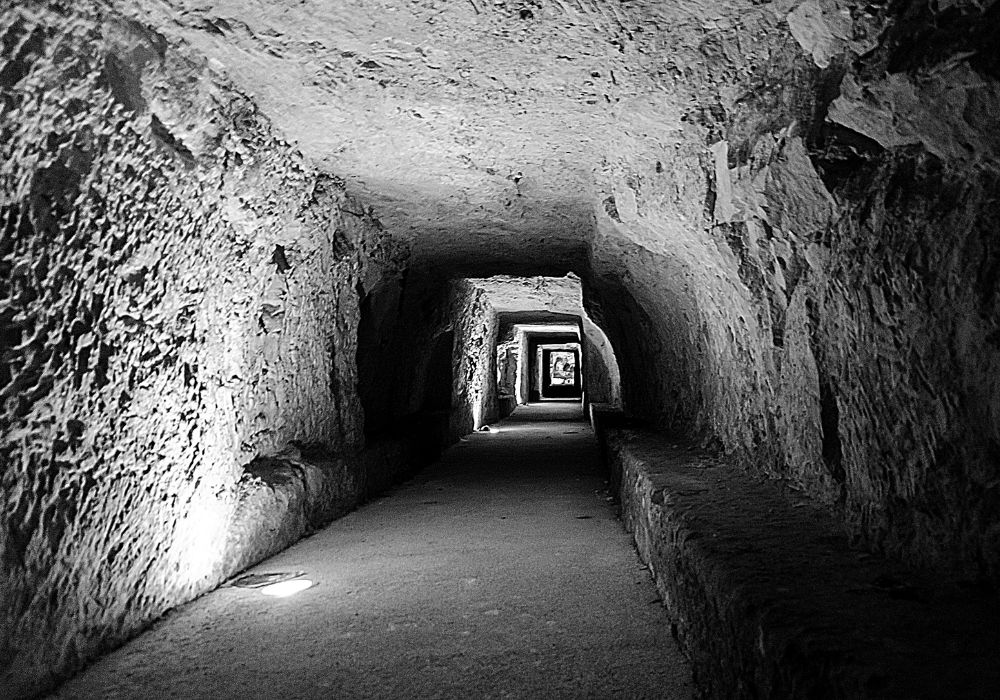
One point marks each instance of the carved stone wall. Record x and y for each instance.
(177, 300)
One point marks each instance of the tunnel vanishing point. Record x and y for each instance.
(260, 260)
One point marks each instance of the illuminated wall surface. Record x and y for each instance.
(782, 216)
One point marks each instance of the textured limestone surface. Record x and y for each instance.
(230, 230)
(178, 315)
(772, 602)
(474, 388)
(510, 295)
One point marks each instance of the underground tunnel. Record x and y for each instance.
(273, 274)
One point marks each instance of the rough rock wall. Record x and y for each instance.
(508, 355)
(177, 298)
(813, 275)
(601, 380)
(475, 386)
(909, 348)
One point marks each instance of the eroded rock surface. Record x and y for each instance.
(173, 306)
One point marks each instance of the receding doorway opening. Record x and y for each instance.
(559, 369)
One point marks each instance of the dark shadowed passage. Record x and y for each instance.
(500, 571)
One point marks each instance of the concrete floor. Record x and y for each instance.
(500, 571)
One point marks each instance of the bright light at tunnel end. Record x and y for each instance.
(284, 589)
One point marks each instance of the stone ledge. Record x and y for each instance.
(769, 600)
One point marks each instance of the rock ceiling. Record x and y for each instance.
(558, 295)
(477, 129)
(487, 133)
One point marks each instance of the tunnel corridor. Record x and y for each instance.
(268, 269)
(500, 571)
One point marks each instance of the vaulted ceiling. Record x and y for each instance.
(477, 129)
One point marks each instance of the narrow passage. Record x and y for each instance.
(500, 571)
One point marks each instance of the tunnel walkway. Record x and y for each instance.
(500, 571)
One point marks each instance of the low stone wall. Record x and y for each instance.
(768, 598)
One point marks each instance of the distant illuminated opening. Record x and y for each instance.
(559, 371)
(562, 368)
